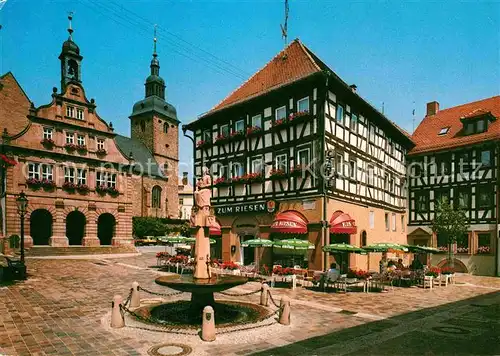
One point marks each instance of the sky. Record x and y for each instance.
(400, 54)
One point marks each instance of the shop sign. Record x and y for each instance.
(282, 223)
(245, 208)
(348, 224)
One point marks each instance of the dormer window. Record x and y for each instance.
(469, 128)
(444, 130)
(70, 111)
(79, 114)
(481, 126)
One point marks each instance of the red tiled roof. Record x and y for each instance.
(427, 138)
(291, 64)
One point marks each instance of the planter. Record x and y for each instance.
(70, 146)
(48, 143)
(101, 152)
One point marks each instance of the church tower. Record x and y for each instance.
(154, 121)
(70, 60)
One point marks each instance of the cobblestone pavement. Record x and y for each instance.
(60, 310)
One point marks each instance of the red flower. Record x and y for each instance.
(47, 142)
(220, 180)
(230, 265)
(7, 161)
(221, 137)
(201, 143)
(277, 173)
(253, 129)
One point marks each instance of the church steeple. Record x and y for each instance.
(70, 59)
(155, 85)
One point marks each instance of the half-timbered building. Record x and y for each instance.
(456, 158)
(296, 152)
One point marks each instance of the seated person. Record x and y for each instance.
(416, 264)
(400, 264)
(331, 275)
(391, 265)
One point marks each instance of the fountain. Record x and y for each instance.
(202, 284)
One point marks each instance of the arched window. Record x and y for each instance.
(363, 239)
(156, 197)
(165, 127)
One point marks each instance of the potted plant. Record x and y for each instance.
(113, 191)
(69, 186)
(48, 142)
(462, 250)
(447, 270)
(351, 276)
(297, 115)
(221, 138)
(253, 130)
(253, 177)
(483, 250)
(276, 174)
(238, 180)
(230, 267)
(81, 148)
(299, 170)
(101, 152)
(70, 146)
(101, 189)
(221, 181)
(202, 144)
(33, 183)
(433, 272)
(280, 122)
(48, 184)
(237, 135)
(82, 188)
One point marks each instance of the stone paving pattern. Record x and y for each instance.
(58, 311)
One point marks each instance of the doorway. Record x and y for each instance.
(75, 227)
(41, 227)
(106, 228)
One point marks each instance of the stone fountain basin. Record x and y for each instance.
(197, 286)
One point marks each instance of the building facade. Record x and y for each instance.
(456, 158)
(84, 181)
(186, 200)
(296, 152)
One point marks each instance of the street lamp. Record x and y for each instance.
(22, 205)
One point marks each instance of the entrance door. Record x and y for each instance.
(106, 228)
(75, 227)
(247, 254)
(41, 226)
(342, 259)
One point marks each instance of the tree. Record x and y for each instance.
(450, 223)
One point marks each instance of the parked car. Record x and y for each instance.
(148, 241)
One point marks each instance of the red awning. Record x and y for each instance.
(342, 223)
(290, 222)
(215, 230)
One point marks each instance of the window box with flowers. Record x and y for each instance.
(48, 184)
(82, 188)
(69, 186)
(230, 267)
(237, 135)
(81, 148)
(253, 131)
(299, 171)
(277, 174)
(293, 118)
(48, 142)
(70, 146)
(35, 183)
(222, 139)
(7, 161)
(202, 144)
(222, 181)
(248, 178)
(101, 189)
(101, 152)
(483, 250)
(113, 191)
(464, 250)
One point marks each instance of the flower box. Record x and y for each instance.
(253, 130)
(113, 191)
(230, 266)
(7, 161)
(237, 135)
(462, 250)
(299, 171)
(101, 189)
(202, 144)
(81, 148)
(277, 174)
(483, 250)
(48, 184)
(248, 178)
(83, 188)
(293, 118)
(101, 152)
(222, 181)
(222, 139)
(69, 186)
(48, 142)
(70, 146)
(34, 183)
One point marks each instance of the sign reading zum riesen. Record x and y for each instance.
(265, 207)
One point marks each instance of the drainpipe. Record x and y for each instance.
(324, 224)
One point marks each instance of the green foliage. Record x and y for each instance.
(151, 226)
(449, 222)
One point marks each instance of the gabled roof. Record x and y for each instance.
(293, 63)
(427, 138)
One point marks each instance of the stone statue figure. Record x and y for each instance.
(203, 193)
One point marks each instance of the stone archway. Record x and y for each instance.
(106, 228)
(41, 226)
(457, 265)
(246, 228)
(75, 227)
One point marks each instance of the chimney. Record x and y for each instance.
(184, 178)
(432, 108)
(353, 87)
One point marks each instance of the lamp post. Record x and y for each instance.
(22, 205)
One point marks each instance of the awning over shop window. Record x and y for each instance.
(342, 223)
(215, 229)
(289, 222)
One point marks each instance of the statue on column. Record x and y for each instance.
(202, 196)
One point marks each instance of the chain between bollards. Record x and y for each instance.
(160, 294)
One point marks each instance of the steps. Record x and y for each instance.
(36, 251)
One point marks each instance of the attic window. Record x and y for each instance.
(444, 131)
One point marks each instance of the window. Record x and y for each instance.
(386, 182)
(224, 171)
(403, 227)
(165, 168)
(156, 197)
(181, 201)
(70, 111)
(81, 176)
(80, 140)
(257, 165)
(303, 157)
(340, 113)
(340, 164)
(444, 131)
(371, 218)
(303, 104)
(442, 241)
(391, 184)
(111, 180)
(70, 138)
(207, 137)
(370, 175)
(484, 242)
(393, 221)
(469, 128)
(34, 170)
(485, 158)
(257, 121)
(101, 179)
(462, 160)
(238, 169)
(416, 169)
(463, 198)
(224, 130)
(481, 126)
(47, 173)
(79, 114)
(239, 125)
(443, 166)
(47, 133)
(441, 195)
(354, 122)
(352, 169)
(372, 133)
(280, 113)
(484, 196)
(69, 175)
(100, 144)
(421, 200)
(386, 217)
(165, 127)
(281, 162)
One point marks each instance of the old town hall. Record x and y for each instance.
(84, 181)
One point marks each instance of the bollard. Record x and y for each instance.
(284, 316)
(264, 295)
(135, 299)
(208, 324)
(117, 319)
(294, 281)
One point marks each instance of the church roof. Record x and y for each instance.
(154, 104)
(144, 161)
